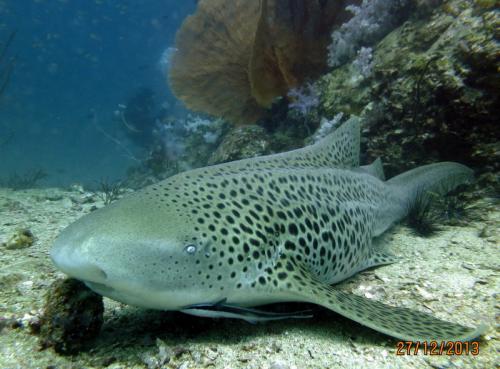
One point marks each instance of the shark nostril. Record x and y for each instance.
(91, 272)
(87, 272)
(102, 274)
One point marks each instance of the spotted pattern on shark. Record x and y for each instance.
(215, 241)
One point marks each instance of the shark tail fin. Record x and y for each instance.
(438, 179)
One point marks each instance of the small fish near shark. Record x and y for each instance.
(220, 240)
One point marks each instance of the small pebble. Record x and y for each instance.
(279, 365)
(77, 188)
(22, 239)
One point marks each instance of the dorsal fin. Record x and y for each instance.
(340, 149)
(374, 169)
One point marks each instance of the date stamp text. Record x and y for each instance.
(431, 348)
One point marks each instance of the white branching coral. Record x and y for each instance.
(303, 99)
(371, 21)
(364, 61)
(327, 126)
(174, 135)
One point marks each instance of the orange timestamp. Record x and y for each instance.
(432, 348)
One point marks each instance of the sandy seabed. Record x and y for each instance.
(453, 275)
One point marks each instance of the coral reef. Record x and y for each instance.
(372, 20)
(253, 140)
(433, 93)
(187, 142)
(242, 142)
(235, 58)
(73, 315)
(179, 144)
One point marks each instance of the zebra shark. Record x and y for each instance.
(220, 240)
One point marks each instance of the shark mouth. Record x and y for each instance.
(221, 309)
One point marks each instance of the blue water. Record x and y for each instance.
(76, 61)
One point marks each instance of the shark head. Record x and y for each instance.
(129, 252)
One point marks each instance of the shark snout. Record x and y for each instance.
(79, 268)
(70, 257)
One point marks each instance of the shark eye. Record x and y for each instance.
(190, 249)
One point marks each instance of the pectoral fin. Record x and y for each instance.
(398, 322)
(380, 258)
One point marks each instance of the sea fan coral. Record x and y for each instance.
(234, 57)
(290, 45)
(209, 71)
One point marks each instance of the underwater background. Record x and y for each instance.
(75, 62)
(101, 98)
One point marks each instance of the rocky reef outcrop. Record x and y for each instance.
(433, 90)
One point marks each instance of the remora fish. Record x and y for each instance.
(216, 241)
